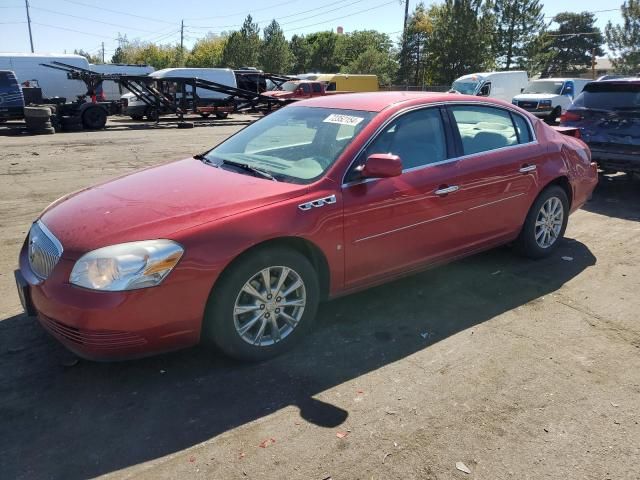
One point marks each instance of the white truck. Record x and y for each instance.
(501, 85)
(549, 98)
(207, 101)
(54, 83)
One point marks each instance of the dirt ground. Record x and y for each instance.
(519, 369)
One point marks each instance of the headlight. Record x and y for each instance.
(126, 266)
(545, 103)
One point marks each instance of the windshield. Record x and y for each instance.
(289, 86)
(466, 87)
(610, 96)
(544, 87)
(295, 144)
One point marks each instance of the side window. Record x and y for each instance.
(305, 88)
(522, 127)
(484, 128)
(316, 88)
(331, 87)
(485, 90)
(416, 137)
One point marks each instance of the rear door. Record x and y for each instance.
(498, 177)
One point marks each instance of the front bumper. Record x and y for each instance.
(112, 325)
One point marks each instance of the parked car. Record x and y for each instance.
(607, 113)
(208, 101)
(237, 246)
(11, 99)
(500, 85)
(550, 97)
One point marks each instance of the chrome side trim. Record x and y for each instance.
(534, 140)
(405, 227)
(446, 190)
(320, 202)
(496, 201)
(528, 168)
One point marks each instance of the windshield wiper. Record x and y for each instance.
(248, 168)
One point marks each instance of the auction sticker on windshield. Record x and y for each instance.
(343, 119)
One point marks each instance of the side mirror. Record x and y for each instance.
(522, 90)
(382, 165)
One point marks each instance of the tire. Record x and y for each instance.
(553, 116)
(94, 118)
(152, 114)
(222, 115)
(37, 122)
(137, 117)
(37, 112)
(205, 114)
(531, 242)
(221, 324)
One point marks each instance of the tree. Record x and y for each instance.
(275, 55)
(460, 40)
(414, 44)
(322, 56)
(119, 56)
(517, 22)
(301, 52)
(242, 46)
(207, 52)
(374, 62)
(90, 58)
(575, 41)
(352, 45)
(624, 40)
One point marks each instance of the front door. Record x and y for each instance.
(394, 224)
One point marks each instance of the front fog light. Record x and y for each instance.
(126, 266)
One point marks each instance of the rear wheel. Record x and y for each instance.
(222, 115)
(205, 114)
(152, 114)
(262, 305)
(94, 118)
(545, 224)
(137, 117)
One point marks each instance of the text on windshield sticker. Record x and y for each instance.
(343, 119)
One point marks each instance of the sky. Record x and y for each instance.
(65, 25)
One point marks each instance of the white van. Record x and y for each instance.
(54, 83)
(137, 109)
(111, 89)
(501, 85)
(549, 98)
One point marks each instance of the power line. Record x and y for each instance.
(119, 12)
(90, 19)
(343, 16)
(71, 30)
(245, 12)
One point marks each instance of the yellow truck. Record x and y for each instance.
(345, 82)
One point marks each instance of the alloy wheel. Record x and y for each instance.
(269, 306)
(549, 222)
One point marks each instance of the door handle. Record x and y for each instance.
(527, 168)
(445, 190)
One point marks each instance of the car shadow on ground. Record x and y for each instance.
(616, 196)
(94, 418)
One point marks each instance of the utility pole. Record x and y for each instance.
(26, 4)
(593, 63)
(181, 41)
(404, 43)
(102, 52)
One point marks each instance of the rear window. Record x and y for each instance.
(608, 96)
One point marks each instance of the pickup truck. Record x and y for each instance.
(298, 90)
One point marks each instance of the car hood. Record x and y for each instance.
(156, 203)
(536, 96)
(278, 94)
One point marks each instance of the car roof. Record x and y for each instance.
(378, 101)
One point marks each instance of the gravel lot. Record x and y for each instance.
(519, 369)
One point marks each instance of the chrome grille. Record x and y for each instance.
(44, 250)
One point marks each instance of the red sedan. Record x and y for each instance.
(238, 245)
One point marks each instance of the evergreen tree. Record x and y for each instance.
(301, 52)
(624, 40)
(275, 56)
(574, 42)
(322, 52)
(517, 23)
(243, 46)
(414, 43)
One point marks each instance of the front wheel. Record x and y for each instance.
(262, 305)
(545, 224)
(94, 118)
